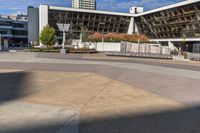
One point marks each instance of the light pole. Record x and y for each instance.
(64, 28)
(63, 44)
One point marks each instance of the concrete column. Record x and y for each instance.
(171, 46)
(33, 24)
(132, 27)
(43, 16)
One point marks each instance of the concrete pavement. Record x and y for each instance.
(21, 117)
(112, 97)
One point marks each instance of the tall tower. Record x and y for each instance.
(84, 4)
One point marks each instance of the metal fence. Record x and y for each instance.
(127, 47)
(194, 56)
(143, 50)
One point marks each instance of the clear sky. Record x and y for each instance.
(12, 6)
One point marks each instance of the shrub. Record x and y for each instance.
(113, 37)
(35, 43)
(96, 37)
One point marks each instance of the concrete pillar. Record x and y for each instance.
(33, 25)
(43, 17)
(171, 46)
(132, 27)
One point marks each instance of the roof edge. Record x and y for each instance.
(186, 2)
(90, 11)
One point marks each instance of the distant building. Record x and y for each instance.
(14, 29)
(84, 4)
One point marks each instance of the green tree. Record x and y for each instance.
(48, 36)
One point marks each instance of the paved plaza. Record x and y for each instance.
(55, 93)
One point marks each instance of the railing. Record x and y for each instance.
(142, 50)
(6, 27)
(127, 47)
(194, 56)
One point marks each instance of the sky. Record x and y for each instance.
(12, 6)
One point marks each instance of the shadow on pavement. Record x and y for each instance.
(13, 85)
(176, 121)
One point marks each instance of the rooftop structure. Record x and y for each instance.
(84, 4)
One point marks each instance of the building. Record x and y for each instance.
(84, 4)
(177, 24)
(80, 20)
(14, 30)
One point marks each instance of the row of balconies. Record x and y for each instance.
(14, 36)
(13, 28)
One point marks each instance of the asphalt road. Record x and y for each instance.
(138, 61)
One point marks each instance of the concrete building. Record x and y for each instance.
(14, 30)
(177, 24)
(84, 4)
(80, 20)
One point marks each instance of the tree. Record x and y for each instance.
(48, 36)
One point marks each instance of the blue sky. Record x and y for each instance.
(12, 6)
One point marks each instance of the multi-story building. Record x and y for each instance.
(84, 4)
(14, 30)
(80, 20)
(177, 24)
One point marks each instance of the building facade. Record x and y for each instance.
(80, 20)
(177, 24)
(14, 30)
(84, 4)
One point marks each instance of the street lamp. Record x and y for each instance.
(64, 28)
